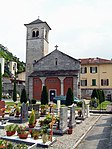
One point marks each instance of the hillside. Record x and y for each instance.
(8, 56)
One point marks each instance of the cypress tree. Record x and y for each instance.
(14, 97)
(0, 83)
(23, 96)
(69, 97)
(44, 96)
(103, 95)
(95, 94)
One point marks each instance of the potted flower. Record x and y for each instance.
(32, 119)
(22, 133)
(5, 144)
(43, 109)
(11, 129)
(17, 111)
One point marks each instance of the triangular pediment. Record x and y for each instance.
(57, 60)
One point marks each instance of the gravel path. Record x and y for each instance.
(69, 141)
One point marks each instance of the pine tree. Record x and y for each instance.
(69, 97)
(23, 96)
(44, 96)
(0, 83)
(14, 91)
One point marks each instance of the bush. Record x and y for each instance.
(33, 101)
(14, 97)
(44, 96)
(79, 104)
(94, 102)
(69, 97)
(23, 96)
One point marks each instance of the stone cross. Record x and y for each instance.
(56, 47)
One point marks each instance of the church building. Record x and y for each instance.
(56, 70)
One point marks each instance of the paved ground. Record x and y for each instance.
(100, 136)
(70, 141)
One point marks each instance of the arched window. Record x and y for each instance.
(33, 34)
(37, 33)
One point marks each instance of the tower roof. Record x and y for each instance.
(38, 21)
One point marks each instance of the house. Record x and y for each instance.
(96, 73)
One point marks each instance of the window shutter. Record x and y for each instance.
(85, 69)
(85, 82)
(101, 82)
(90, 69)
(107, 82)
(81, 69)
(96, 69)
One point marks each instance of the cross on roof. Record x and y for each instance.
(56, 47)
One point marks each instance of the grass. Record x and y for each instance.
(103, 105)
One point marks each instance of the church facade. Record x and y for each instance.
(56, 70)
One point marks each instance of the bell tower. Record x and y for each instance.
(36, 44)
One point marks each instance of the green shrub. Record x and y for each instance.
(44, 96)
(23, 96)
(33, 101)
(79, 104)
(14, 91)
(32, 117)
(69, 97)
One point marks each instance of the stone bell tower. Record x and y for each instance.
(36, 44)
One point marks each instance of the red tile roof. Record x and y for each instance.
(94, 61)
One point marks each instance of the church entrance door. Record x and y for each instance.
(52, 94)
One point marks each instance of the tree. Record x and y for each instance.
(103, 95)
(69, 97)
(0, 83)
(44, 96)
(95, 94)
(23, 96)
(14, 91)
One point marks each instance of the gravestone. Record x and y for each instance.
(63, 125)
(58, 107)
(24, 112)
(83, 109)
(88, 114)
(72, 121)
(36, 108)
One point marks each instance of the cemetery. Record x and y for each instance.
(37, 125)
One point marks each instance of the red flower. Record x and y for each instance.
(51, 132)
(30, 130)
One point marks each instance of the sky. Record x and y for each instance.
(81, 28)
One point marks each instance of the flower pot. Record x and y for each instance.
(31, 125)
(10, 133)
(70, 131)
(23, 136)
(35, 122)
(2, 147)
